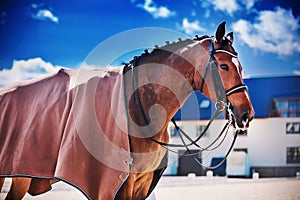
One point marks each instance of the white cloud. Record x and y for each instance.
(274, 31)
(25, 69)
(191, 27)
(3, 17)
(296, 72)
(156, 12)
(248, 3)
(86, 66)
(207, 13)
(45, 14)
(228, 6)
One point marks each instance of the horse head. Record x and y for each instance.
(222, 79)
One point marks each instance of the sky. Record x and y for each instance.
(38, 36)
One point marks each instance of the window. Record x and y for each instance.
(200, 129)
(293, 127)
(293, 155)
(204, 104)
(174, 132)
(285, 107)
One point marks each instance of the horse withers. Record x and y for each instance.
(50, 128)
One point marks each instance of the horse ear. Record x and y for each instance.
(229, 36)
(220, 32)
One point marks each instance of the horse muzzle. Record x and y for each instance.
(239, 118)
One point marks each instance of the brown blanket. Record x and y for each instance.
(64, 127)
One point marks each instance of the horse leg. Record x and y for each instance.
(136, 186)
(1, 183)
(18, 188)
(125, 192)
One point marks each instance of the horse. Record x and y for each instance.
(145, 95)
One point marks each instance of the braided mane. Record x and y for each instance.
(168, 47)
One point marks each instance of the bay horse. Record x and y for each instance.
(39, 118)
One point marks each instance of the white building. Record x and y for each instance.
(271, 144)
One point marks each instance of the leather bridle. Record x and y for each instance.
(221, 93)
(221, 104)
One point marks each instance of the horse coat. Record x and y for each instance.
(70, 126)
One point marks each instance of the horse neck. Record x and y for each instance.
(164, 83)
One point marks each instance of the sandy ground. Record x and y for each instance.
(190, 188)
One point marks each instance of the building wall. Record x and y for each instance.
(266, 142)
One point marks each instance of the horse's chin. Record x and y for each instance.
(241, 128)
(233, 122)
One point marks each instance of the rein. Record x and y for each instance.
(222, 104)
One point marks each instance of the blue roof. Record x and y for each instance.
(261, 90)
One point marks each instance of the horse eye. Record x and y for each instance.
(224, 67)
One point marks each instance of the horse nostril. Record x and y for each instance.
(246, 119)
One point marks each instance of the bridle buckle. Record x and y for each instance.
(220, 105)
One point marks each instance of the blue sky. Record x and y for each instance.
(37, 36)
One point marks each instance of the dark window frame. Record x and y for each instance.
(200, 129)
(174, 132)
(292, 107)
(241, 150)
(293, 155)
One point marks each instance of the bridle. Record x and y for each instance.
(222, 104)
(221, 93)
